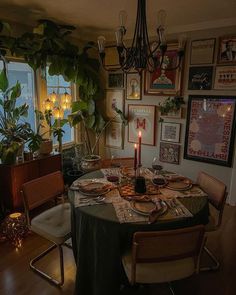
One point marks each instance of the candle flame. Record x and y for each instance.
(140, 134)
(135, 145)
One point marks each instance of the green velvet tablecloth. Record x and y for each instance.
(99, 241)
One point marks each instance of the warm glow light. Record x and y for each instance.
(66, 97)
(58, 113)
(135, 146)
(48, 104)
(139, 134)
(15, 215)
(53, 97)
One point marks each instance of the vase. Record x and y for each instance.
(91, 163)
(45, 147)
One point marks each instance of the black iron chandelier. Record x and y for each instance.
(141, 55)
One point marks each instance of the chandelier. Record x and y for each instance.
(141, 55)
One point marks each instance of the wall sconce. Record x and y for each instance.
(15, 228)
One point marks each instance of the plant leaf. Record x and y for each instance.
(3, 81)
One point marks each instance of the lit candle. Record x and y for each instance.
(139, 147)
(135, 156)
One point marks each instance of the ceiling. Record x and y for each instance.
(96, 17)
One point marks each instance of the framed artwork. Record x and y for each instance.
(169, 153)
(142, 118)
(111, 57)
(225, 77)
(210, 129)
(133, 86)
(162, 81)
(227, 49)
(170, 131)
(202, 51)
(114, 99)
(115, 80)
(200, 78)
(114, 135)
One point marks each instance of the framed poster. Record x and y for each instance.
(227, 50)
(169, 153)
(114, 135)
(115, 80)
(142, 118)
(162, 81)
(225, 77)
(210, 129)
(200, 78)
(170, 131)
(133, 86)
(111, 57)
(202, 51)
(114, 99)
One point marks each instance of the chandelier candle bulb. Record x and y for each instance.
(139, 147)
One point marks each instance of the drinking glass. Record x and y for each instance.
(156, 166)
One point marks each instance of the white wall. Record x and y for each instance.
(186, 167)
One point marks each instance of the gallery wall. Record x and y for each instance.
(186, 167)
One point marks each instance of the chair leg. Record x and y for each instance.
(43, 274)
(213, 258)
(171, 288)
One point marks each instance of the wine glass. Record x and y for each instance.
(156, 166)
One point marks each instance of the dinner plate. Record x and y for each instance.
(93, 189)
(143, 208)
(159, 181)
(179, 185)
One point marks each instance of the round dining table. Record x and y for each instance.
(99, 240)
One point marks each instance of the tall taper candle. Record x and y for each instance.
(135, 156)
(139, 147)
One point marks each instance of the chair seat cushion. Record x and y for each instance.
(54, 224)
(160, 272)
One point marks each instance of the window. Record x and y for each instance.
(60, 86)
(22, 72)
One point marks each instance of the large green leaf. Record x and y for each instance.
(91, 107)
(79, 106)
(16, 91)
(89, 121)
(3, 81)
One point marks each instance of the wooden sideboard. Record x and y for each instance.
(13, 176)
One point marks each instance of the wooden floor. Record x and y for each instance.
(16, 277)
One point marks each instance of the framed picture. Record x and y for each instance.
(200, 78)
(210, 129)
(227, 49)
(133, 86)
(142, 118)
(169, 153)
(111, 57)
(202, 51)
(225, 77)
(162, 81)
(170, 131)
(115, 80)
(114, 99)
(114, 135)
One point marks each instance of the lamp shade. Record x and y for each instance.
(58, 113)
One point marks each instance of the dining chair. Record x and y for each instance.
(164, 256)
(217, 194)
(52, 224)
(123, 162)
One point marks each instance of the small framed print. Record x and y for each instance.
(170, 132)
(115, 135)
(112, 57)
(114, 99)
(115, 80)
(142, 118)
(227, 50)
(169, 153)
(225, 78)
(133, 86)
(162, 81)
(200, 78)
(202, 51)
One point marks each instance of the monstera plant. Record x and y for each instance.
(13, 130)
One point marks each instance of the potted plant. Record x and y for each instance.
(13, 130)
(87, 112)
